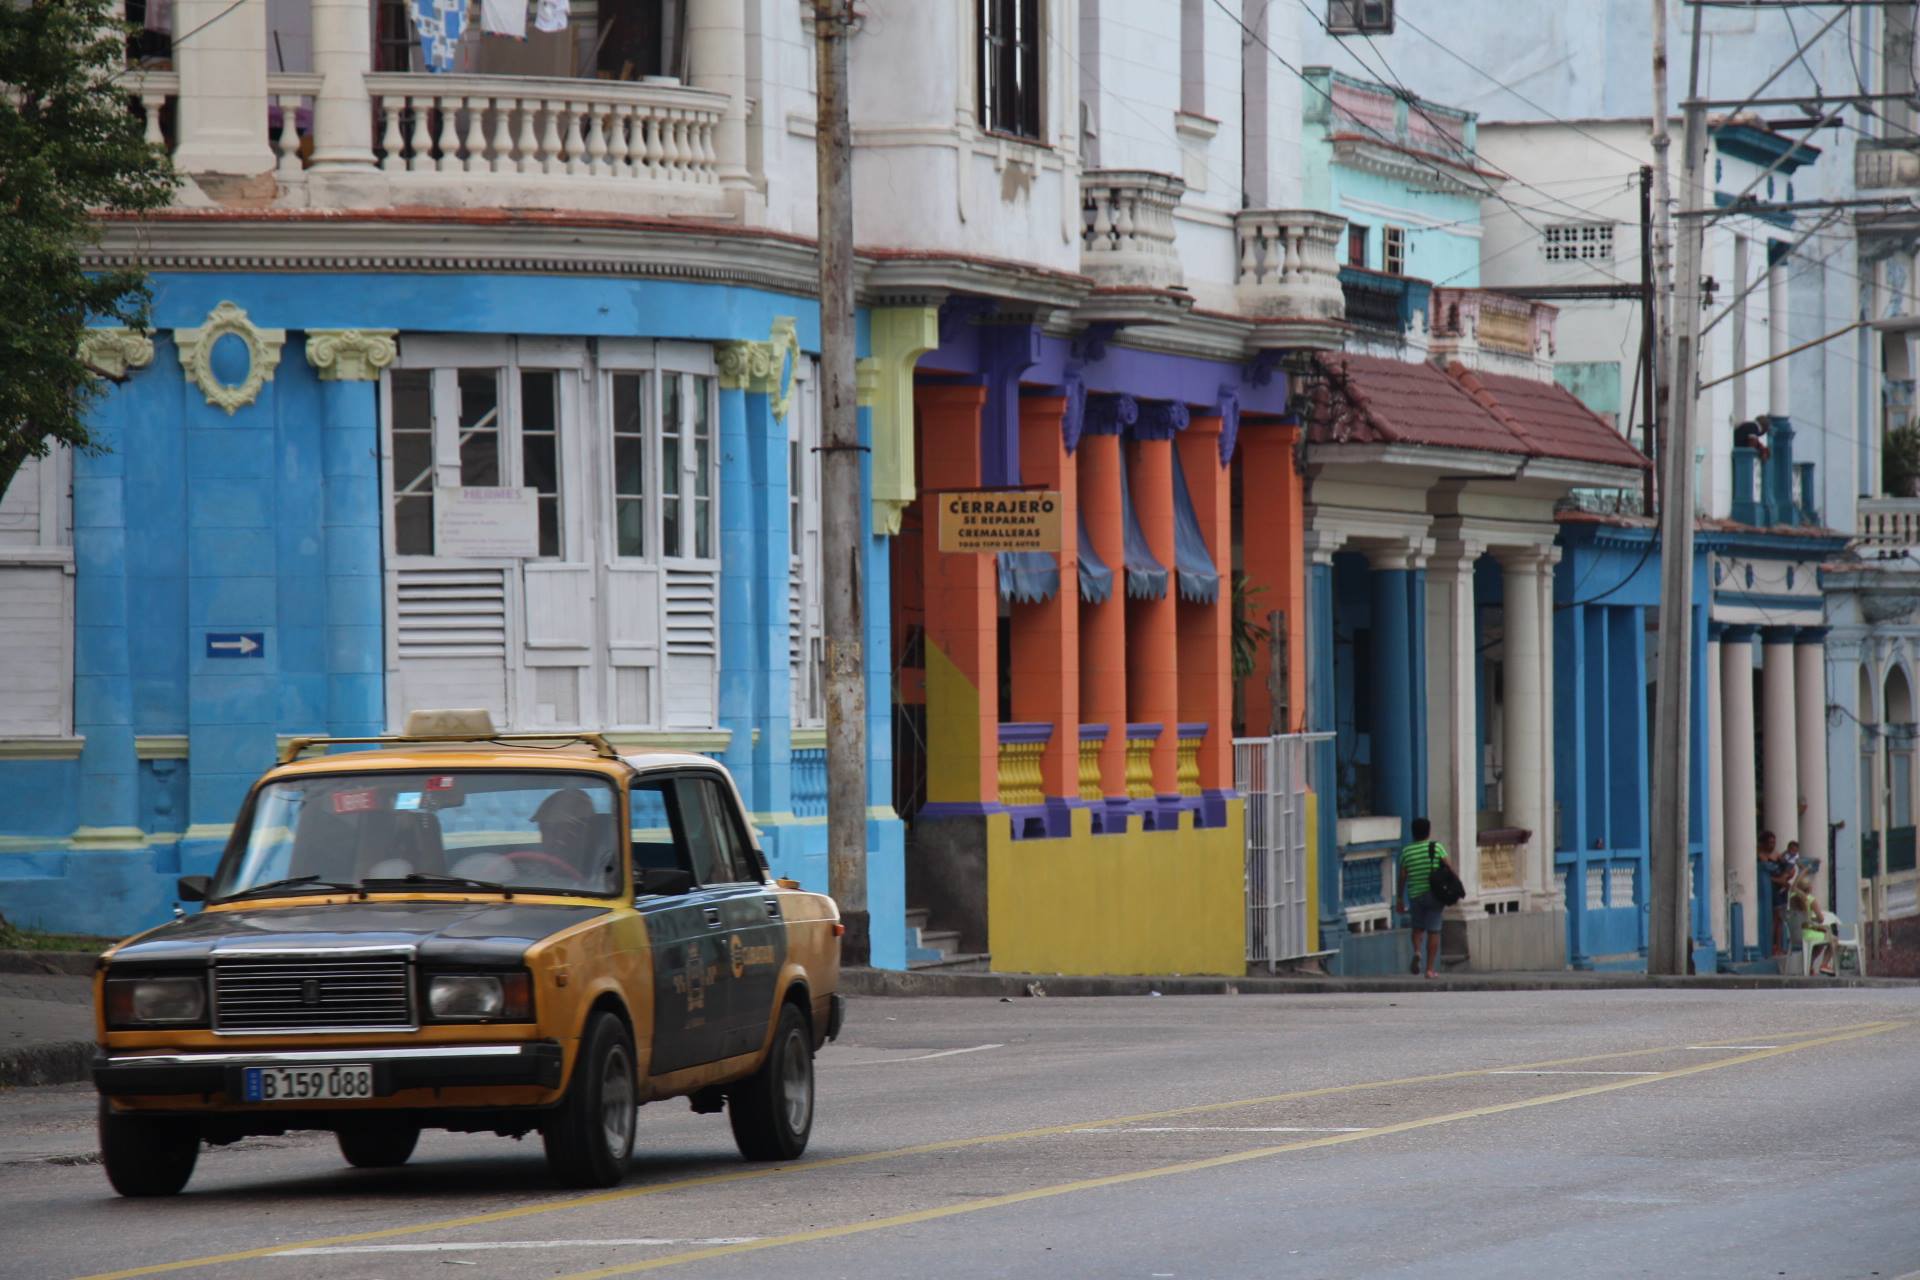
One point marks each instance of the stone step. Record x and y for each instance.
(917, 917)
(963, 962)
(945, 941)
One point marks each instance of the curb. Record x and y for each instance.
(58, 1062)
(77, 963)
(893, 982)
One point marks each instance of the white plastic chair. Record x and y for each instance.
(1842, 944)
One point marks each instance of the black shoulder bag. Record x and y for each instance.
(1443, 883)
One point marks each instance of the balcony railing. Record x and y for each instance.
(1879, 163)
(1290, 265)
(288, 124)
(1889, 522)
(605, 129)
(1384, 303)
(1127, 232)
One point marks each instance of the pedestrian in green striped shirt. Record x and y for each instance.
(1416, 898)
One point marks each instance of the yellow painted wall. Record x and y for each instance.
(1144, 902)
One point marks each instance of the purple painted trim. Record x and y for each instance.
(1026, 731)
(1109, 415)
(1160, 420)
(1148, 374)
(1229, 422)
(958, 809)
(1074, 387)
(1213, 806)
(1007, 351)
(1094, 732)
(1193, 729)
(1142, 731)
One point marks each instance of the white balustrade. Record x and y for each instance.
(153, 89)
(1128, 229)
(292, 92)
(604, 129)
(1890, 522)
(1290, 264)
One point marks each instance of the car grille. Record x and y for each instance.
(313, 993)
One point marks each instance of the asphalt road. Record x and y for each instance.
(1670, 1133)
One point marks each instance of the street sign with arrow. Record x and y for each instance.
(236, 644)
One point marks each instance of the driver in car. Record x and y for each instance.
(565, 819)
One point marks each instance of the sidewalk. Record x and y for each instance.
(46, 1014)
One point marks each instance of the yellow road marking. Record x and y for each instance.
(1195, 1166)
(925, 1148)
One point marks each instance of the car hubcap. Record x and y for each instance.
(796, 1083)
(616, 1103)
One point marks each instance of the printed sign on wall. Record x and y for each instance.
(1000, 520)
(486, 523)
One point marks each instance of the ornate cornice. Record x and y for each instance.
(1109, 415)
(899, 337)
(111, 352)
(1160, 420)
(350, 355)
(195, 347)
(765, 368)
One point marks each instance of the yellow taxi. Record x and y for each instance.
(464, 930)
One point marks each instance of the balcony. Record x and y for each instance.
(1382, 304)
(489, 141)
(1493, 332)
(1891, 524)
(1879, 163)
(1127, 230)
(1289, 276)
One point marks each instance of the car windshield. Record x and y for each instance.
(531, 831)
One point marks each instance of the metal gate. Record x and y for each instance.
(1276, 776)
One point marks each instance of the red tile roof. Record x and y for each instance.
(1375, 400)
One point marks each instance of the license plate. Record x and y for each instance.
(301, 1084)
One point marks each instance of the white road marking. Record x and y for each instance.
(1573, 1073)
(1223, 1128)
(478, 1246)
(1709, 1048)
(944, 1053)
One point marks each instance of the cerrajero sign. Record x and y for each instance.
(1000, 520)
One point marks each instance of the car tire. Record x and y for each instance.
(772, 1110)
(591, 1135)
(147, 1155)
(386, 1147)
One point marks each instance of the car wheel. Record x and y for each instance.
(591, 1136)
(772, 1110)
(389, 1147)
(147, 1155)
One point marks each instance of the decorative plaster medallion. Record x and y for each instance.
(196, 356)
(764, 367)
(111, 352)
(350, 355)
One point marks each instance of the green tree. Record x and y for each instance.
(70, 150)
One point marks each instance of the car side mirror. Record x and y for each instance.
(665, 881)
(193, 888)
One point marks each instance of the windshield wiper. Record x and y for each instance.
(427, 877)
(291, 882)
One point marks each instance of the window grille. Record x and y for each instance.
(1578, 242)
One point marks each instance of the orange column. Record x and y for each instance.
(1153, 676)
(962, 611)
(1272, 555)
(1046, 636)
(1103, 627)
(1205, 639)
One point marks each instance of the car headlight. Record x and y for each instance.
(141, 1002)
(479, 997)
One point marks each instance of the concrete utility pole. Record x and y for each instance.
(840, 489)
(1669, 945)
(1660, 311)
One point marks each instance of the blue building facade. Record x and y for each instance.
(256, 551)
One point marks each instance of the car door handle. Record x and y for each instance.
(713, 917)
(773, 908)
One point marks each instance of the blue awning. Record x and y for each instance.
(1199, 579)
(1096, 579)
(1028, 577)
(1146, 576)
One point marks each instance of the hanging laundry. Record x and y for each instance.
(439, 24)
(552, 15)
(504, 18)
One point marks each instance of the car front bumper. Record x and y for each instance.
(535, 1063)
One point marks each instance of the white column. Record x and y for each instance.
(1526, 744)
(1779, 395)
(1453, 767)
(1549, 807)
(1810, 719)
(717, 59)
(342, 112)
(1779, 748)
(1736, 706)
(1716, 802)
(221, 117)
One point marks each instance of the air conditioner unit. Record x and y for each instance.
(1360, 17)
